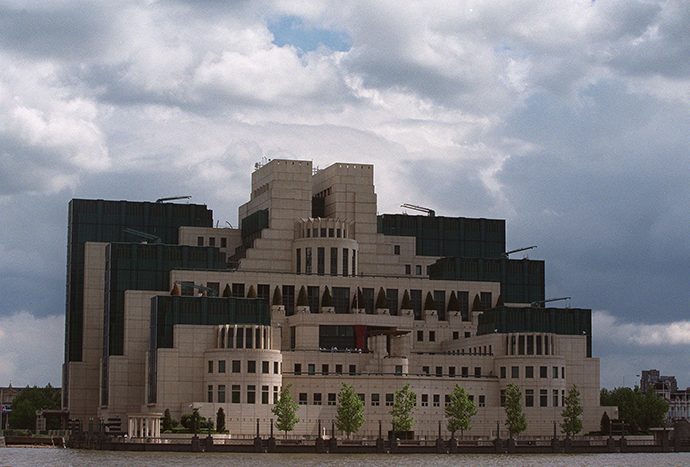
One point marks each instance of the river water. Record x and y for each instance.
(32, 457)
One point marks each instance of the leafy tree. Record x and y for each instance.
(220, 420)
(453, 303)
(477, 304)
(350, 411)
(515, 418)
(460, 411)
(227, 291)
(27, 402)
(572, 410)
(403, 405)
(167, 421)
(605, 424)
(252, 292)
(285, 410)
(638, 410)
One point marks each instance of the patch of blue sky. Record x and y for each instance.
(292, 30)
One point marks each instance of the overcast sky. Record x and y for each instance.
(567, 118)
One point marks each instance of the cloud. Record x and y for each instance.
(644, 335)
(30, 349)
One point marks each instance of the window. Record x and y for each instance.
(251, 366)
(432, 336)
(339, 369)
(235, 394)
(200, 241)
(456, 335)
(418, 270)
(321, 260)
(275, 394)
(398, 370)
(210, 366)
(439, 371)
(529, 397)
(334, 261)
(555, 397)
(209, 395)
(307, 260)
(425, 400)
(302, 398)
(298, 368)
(420, 336)
(236, 366)
(221, 393)
(311, 369)
(361, 397)
(555, 372)
(530, 345)
(451, 371)
(529, 372)
(265, 367)
(543, 372)
(324, 369)
(275, 368)
(408, 269)
(317, 398)
(390, 398)
(331, 398)
(503, 397)
(477, 371)
(375, 400)
(223, 242)
(447, 400)
(212, 241)
(563, 372)
(465, 371)
(264, 394)
(468, 334)
(482, 401)
(221, 366)
(396, 249)
(425, 370)
(345, 257)
(298, 261)
(515, 372)
(437, 400)
(543, 398)
(251, 394)
(353, 369)
(331, 232)
(503, 372)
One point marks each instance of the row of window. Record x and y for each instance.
(338, 370)
(543, 398)
(389, 399)
(464, 371)
(236, 394)
(307, 259)
(236, 366)
(529, 372)
(212, 241)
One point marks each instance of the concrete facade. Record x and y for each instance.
(209, 366)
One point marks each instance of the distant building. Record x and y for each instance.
(667, 387)
(7, 396)
(314, 289)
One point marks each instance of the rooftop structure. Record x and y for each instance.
(313, 289)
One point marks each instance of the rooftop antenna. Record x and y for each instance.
(144, 235)
(542, 302)
(429, 212)
(507, 253)
(172, 198)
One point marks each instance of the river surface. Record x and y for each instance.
(31, 457)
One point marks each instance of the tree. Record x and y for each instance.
(252, 292)
(227, 291)
(220, 420)
(401, 412)
(285, 410)
(167, 425)
(477, 304)
(515, 418)
(27, 402)
(302, 299)
(429, 303)
(605, 424)
(453, 303)
(381, 300)
(327, 300)
(406, 303)
(572, 410)
(277, 297)
(460, 411)
(638, 410)
(350, 411)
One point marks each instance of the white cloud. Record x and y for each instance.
(30, 349)
(646, 335)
